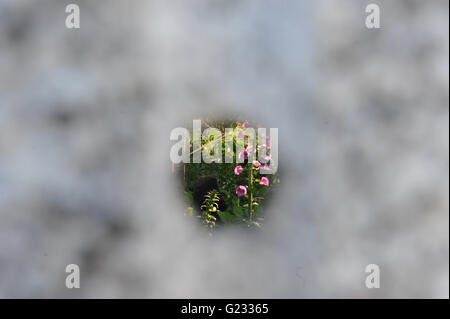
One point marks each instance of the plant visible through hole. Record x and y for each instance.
(229, 193)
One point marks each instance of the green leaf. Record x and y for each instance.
(227, 217)
(188, 197)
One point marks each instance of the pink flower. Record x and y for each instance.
(243, 155)
(238, 169)
(241, 191)
(268, 143)
(264, 181)
(244, 125)
(257, 165)
(267, 157)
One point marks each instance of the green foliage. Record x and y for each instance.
(210, 206)
(244, 210)
(188, 197)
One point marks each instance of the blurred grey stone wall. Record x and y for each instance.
(85, 117)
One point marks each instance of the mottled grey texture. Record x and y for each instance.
(85, 117)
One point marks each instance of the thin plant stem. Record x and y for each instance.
(250, 188)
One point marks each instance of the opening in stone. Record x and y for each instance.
(230, 173)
